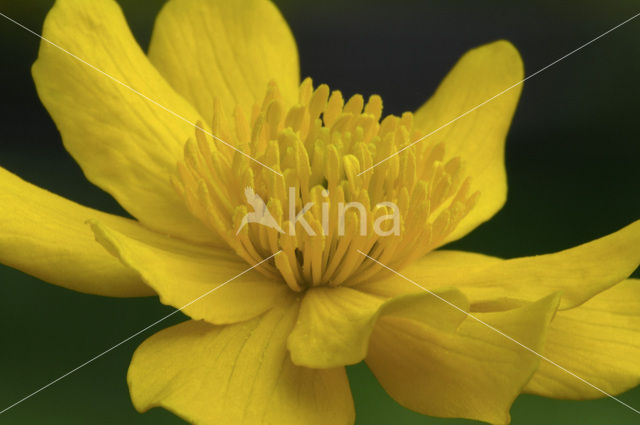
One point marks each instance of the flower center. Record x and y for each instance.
(307, 199)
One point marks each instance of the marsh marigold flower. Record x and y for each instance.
(271, 345)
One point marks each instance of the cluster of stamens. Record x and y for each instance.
(314, 154)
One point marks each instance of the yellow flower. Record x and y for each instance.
(271, 345)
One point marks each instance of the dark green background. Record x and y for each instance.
(572, 160)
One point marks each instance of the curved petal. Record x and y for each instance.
(599, 341)
(478, 137)
(181, 273)
(46, 236)
(235, 374)
(124, 143)
(334, 324)
(434, 270)
(474, 372)
(227, 50)
(490, 283)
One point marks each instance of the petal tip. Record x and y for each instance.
(502, 53)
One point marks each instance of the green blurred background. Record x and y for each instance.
(572, 158)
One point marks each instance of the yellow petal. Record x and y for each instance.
(237, 374)
(46, 236)
(334, 324)
(599, 341)
(180, 273)
(124, 143)
(434, 270)
(490, 283)
(479, 137)
(473, 373)
(224, 49)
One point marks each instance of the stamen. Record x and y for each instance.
(320, 211)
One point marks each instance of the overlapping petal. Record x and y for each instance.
(237, 374)
(334, 324)
(493, 284)
(599, 341)
(125, 142)
(478, 137)
(225, 50)
(46, 236)
(181, 273)
(474, 372)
